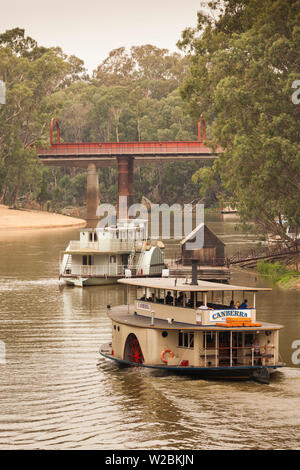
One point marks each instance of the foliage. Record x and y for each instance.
(277, 272)
(244, 57)
(32, 74)
(131, 96)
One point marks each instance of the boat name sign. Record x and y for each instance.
(144, 306)
(220, 315)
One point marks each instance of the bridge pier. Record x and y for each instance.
(125, 185)
(130, 181)
(95, 155)
(93, 199)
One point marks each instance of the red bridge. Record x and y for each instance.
(94, 155)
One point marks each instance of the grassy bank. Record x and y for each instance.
(279, 274)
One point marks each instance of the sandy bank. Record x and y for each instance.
(11, 219)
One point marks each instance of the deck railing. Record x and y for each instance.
(108, 245)
(103, 270)
(228, 356)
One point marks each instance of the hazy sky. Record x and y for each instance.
(90, 29)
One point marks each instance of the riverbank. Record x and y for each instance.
(14, 220)
(279, 274)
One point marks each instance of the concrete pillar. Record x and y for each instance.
(130, 181)
(123, 185)
(92, 200)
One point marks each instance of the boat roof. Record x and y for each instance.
(181, 284)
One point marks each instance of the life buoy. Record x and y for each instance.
(162, 356)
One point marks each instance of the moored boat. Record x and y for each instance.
(104, 255)
(228, 210)
(193, 329)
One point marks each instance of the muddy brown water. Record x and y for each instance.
(56, 392)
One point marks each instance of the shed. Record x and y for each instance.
(204, 246)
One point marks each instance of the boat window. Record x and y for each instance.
(186, 340)
(87, 260)
(112, 259)
(209, 339)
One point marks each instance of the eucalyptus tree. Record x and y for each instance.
(32, 74)
(244, 58)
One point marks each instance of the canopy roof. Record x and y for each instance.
(182, 285)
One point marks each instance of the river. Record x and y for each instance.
(56, 391)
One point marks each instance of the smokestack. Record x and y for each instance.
(194, 272)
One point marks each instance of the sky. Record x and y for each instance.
(90, 29)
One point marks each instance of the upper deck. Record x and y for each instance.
(126, 315)
(176, 301)
(125, 236)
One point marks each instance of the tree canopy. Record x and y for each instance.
(244, 57)
(238, 68)
(130, 96)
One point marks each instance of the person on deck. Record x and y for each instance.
(269, 351)
(244, 304)
(257, 355)
(179, 300)
(169, 298)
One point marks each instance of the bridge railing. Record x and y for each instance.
(126, 148)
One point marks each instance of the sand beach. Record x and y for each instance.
(15, 219)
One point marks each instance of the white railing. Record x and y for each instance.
(108, 245)
(74, 245)
(102, 270)
(237, 356)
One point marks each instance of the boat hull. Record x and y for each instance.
(257, 373)
(95, 281)
(90, 281)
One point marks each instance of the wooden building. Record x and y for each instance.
(204, 246)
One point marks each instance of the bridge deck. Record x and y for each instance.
(106, 153)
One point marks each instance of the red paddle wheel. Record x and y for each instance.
(135, 352)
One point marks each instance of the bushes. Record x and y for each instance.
(277, 272)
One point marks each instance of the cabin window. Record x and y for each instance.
(87, 260)
(125, 259)
(186, 340)
(112, 259)
(209, 340)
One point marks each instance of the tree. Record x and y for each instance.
(32, 75)
(243, 60)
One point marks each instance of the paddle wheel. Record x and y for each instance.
(133, 352)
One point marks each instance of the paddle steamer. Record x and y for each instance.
(193, 329)
(104, 255)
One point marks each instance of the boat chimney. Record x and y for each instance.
(194, 272)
